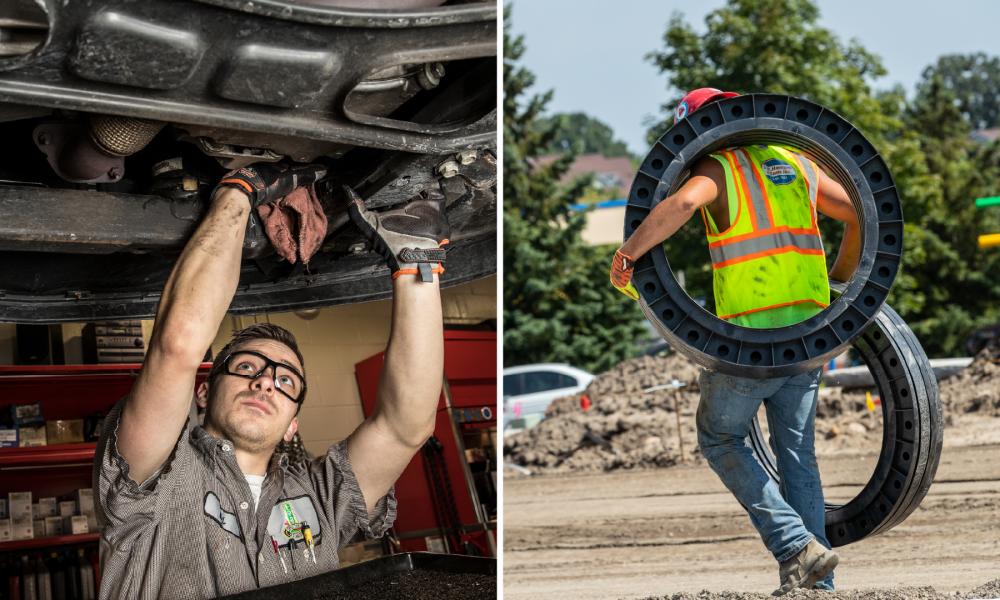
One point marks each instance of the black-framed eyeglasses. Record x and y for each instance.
(251, 365)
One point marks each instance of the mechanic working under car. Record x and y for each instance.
(759, 205)
(192, 511)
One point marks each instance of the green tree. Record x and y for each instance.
(948, 288)
(774, 46)
(580, 133)
(974, 81)
(558, 304)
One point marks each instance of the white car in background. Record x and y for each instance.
(529, 389)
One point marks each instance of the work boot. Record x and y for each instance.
(810, 565)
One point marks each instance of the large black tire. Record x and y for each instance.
(911, 438)
(846, 155)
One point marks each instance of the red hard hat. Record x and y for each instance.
(695, 99)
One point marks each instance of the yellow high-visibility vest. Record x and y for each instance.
(768, 267)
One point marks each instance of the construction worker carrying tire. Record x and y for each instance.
(759, 204)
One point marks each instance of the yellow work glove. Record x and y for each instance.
(621, 274)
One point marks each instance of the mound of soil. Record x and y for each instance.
(976, 389)
(642, 414)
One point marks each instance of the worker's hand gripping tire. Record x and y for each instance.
(269, 182)
(621, 274)
(411, 238)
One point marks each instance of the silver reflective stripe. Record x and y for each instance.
(757, 203)
(811, 177)
(773, 241)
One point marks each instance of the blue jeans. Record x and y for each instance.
(788, 515)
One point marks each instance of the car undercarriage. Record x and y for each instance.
(119, 116)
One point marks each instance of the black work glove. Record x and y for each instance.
(269, 182)
(263, 183)
(410, 237)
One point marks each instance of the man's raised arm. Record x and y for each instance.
(194, 302)
(410, 384)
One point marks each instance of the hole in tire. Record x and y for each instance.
(878, 335)
(887, 207)
(789, 354)
(908, 425)
(906, 456)
(848, 325)
(667, 314)
(857, 150)
(656, 164)
(884, 271)
(650, 287)
(896, 485)
(755, 357)
(820, 344)
(832, 129)
(678, 139)
(693, 336)
(737, 111)
(802, 114)
(904, 393)
(724, 349)
(869, 301)
(889, 239)
(876, 177)
(643, 193)
(706, 121)
(893, 362)
(770, 108)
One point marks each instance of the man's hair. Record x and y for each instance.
(257, 331)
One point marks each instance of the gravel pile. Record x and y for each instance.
(912, 593)
(637, 419)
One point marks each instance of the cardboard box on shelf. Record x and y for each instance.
(75, 525)
(22, 528)
(64, 431)
(19, 505)
(27, 414)
(92, 522)
(8, 437)
(67, 508)
(53, 526)
(48, 507)
(3, 508)
(29, 436)
(5, 529)
(85, 500)
(35, 512)
(38, 527)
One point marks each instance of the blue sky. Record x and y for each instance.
(591, 53)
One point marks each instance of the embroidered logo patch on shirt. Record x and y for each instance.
(226, 520)
(778, 171)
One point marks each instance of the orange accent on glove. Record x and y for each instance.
(621, 274)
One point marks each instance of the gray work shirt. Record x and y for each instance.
(190, 530)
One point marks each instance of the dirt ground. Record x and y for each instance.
(672, 532)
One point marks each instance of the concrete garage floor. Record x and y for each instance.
(656, 533)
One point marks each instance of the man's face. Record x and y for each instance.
(252, 413)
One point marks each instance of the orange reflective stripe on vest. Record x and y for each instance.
(771, 255)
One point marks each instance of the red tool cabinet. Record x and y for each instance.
(462, 518)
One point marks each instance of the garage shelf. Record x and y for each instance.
(41, 456)
(48, 542)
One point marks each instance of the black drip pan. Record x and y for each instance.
(413, 576)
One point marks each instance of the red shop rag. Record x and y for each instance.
(295, 224)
